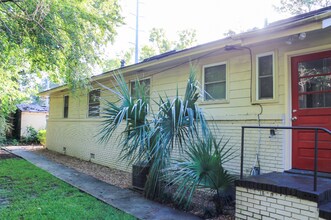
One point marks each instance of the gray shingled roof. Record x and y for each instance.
(32, 108)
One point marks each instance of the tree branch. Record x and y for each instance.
(29, 18)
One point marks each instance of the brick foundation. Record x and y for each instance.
(260, 204)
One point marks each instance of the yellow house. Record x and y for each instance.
(279, 75)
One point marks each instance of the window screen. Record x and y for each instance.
(94, 103)
(66, 106)
(215, 82)
(265, 77)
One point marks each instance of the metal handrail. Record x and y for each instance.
(316, 129)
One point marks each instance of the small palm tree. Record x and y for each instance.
(202, 167)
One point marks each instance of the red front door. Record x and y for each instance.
(311, 106)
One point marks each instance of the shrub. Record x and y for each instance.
(42, 137)
(31, 135)
(13, 142)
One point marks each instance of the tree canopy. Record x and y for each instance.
(160, 43)
(60, 38)
(296, 7)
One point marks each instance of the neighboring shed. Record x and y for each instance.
(29, 115)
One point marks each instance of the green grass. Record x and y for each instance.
(27, 192)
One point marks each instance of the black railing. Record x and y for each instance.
(316, 129)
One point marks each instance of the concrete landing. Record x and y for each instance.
(123, 199)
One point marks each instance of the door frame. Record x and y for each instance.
(287, 137)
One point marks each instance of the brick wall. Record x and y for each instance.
(265, 205)
(79, 137)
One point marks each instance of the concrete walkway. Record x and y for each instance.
(123, 199)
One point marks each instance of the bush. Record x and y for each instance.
(42, 137)
(31, 135)
(13, 142)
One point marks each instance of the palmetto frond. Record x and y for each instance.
(202, 167)
(131, 112)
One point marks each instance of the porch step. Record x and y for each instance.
(325, 210)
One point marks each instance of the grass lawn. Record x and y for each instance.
(27, 192)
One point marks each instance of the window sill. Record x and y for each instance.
(264, 101)
(213, 102)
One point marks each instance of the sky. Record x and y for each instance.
(210, 18)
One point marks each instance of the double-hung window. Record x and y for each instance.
(215, 82)
(65, 106)
(94, 103)
(265, 76)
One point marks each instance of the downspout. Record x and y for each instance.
(256, 166)
(256, 169)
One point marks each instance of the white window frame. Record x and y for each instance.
(257, 88)
(226, 81)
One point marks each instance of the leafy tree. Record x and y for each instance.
(187, 38)
(61, 38)
(115, 63)
(158, 38)
(159, 42)
(229, 33)
(296, 7)
(147, 51)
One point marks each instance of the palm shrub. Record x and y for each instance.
(202, 167)
(151, 137)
